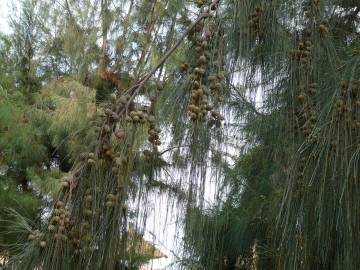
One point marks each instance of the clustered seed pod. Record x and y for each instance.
(153, 131)
(65, 183)
(38, 237)
(205, 88)
(324, 26)
(340, 105)
(347, 104)
(91, 159)
(306, 114)
(199, 102)
(120, 134)
(136, 117)
(199, 3)
(107, 153)
(80, 237)
(312, 88)
(87, 212)
(60, 222)
(216, 87)
(184, 67)
(199, 94)
(123, 100)
(111, 200)
(113, 115)
(308, 118)
(154, 135)
(303, 53)
(254, 20)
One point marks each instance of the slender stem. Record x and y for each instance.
(165, 57)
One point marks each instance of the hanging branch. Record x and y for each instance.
(140, 84)
(104, 74)
(246, 102)
(149, 30)
(120, 50)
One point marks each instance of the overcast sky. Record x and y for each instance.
(4, 12)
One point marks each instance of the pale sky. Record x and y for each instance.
(4, 12)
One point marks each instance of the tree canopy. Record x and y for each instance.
(241, 117)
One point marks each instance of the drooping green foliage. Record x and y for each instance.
(242, 114)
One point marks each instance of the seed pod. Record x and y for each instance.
(204, 44)
(109, 153)
(110, 204)
(55, 219)
(87, 213)
(197, 70)
(65, 184)
(120, 134)
(113, 96)
(136, 118)
(157, 142)
(108, 111)
(91, 161)
(221, 76)
(123, 100)
(193, 116)
(212, 78)
(151, 118)
(88, 198)
(202, 59)
(85, 225)
(128, 118)
(152, 132)
(51, 228)
(111, 197)
(62, 228)
(323, 28)
(184, 67)
(340, 103)
(60, 204)
(218, 86)
(200, 92)
(301, 97)
(115, 116)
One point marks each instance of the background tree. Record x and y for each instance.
(257, 100)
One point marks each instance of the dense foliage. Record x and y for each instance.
(243, 114)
